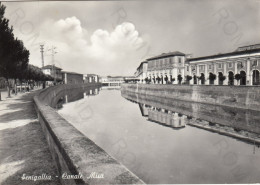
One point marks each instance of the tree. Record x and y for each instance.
(13, 55)
(188, 78)
(172, 79)
(222, 78)
(6, 43)
(146, 80)
(166, 79)
(21, 56)
(35, 74)
(202, 78)
(158, 79)
(212, 77)
(179, 79)
(238, 77)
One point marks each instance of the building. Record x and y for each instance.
(71, 77)
(91, 78)
(240, 67)
(114, 81)
(53, 71)
(225, 68)
(141, 72)
(166, 68)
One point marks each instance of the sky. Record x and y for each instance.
(114, 37)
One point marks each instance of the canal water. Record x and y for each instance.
(159, 145)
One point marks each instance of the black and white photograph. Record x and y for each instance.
(129, 92)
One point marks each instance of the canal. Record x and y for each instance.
(159, 145)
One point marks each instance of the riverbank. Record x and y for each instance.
(242, 124)
(24, 149)
(227, 131)
(73, 152)
(160, 154)
(244, 97)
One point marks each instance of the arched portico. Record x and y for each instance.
(211, 78)
(194, 79)
(243, 78)
(255, 77)
(230, 78)
(221, 78)
(202, 78)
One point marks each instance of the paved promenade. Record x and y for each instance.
(23, 147)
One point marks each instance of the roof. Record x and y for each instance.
(163, 55)
(71, 72)
(144, 62)
(51, 67)
(248, 47)
(225, 54)
(89, 75)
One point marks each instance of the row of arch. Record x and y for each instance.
(230, 78)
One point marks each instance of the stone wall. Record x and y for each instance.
(73, 152)
(245, 97)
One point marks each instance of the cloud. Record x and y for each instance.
(106, 53)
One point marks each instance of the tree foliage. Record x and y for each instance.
(14, 57)
(222, 78)
(35, 73)
(237, 77)
(212, 76)
(179, 78)
(188, 77)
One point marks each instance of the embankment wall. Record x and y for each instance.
(244, 97)
(73, 152)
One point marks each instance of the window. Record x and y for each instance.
(255, 63)
(240, 64)
(187, 68)
(166, 61)
(230, 65)
(220, 66)
(210, 66)
(161, 62)
(170, 60)
(179, 60)
(202, 67)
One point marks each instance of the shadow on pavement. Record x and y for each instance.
(24, 149)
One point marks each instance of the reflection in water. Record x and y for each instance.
(163, 116)
(160, 154)
(74, 95)
(239, 119)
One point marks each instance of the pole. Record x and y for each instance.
(53, 52)
(42, 51)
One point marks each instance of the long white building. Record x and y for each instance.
(240, 67)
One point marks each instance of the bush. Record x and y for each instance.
(222, 78)
(212, 76)
(188, 77)
(237, 77)
(179, 79)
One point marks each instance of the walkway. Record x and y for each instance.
(23, 147)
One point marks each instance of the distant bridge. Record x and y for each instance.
(112, 83)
